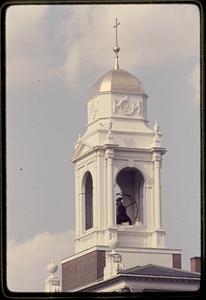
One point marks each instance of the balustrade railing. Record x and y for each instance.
(137, 239)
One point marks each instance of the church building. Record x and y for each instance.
(120, 237)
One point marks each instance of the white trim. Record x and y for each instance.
(121, 278)
(119, 92)
(129, 249)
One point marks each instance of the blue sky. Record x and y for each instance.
(54, 56)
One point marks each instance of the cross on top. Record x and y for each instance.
(115, 26)
(116, 49)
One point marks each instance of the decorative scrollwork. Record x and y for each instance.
(127, 106)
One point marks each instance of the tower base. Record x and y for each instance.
(88, 266)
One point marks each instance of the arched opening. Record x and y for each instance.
(131, 184)
(88, 187)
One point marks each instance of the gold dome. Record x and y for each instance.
(117, 81)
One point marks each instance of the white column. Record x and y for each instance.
(148, 211)
(157, 190)
(82, 212)
(77, 203)
(110, 200)
(77, 210)
(105, 193)
(98, 170)
(95, 195)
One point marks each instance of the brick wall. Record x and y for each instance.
(83, 270)
(195, 263)
(176, 261)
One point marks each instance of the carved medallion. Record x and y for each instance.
(127, 106)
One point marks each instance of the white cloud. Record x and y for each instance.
(149, 34)
(26, 49)
(22, 22)
(27, 262)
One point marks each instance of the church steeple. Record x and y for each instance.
(115, 156)
(119, 154)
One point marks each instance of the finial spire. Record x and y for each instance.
(116, 49)
(156, 128)
(52, 283)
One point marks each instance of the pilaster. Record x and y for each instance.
(156, 157)
(109, 154)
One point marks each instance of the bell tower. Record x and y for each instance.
(118, 164)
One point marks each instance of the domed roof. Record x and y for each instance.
(117, 80)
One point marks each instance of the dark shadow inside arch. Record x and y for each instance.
(131, 183)
(88, 201)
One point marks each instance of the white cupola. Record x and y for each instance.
(119, 154)
(118, 162)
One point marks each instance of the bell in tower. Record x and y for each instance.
(117, 163)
